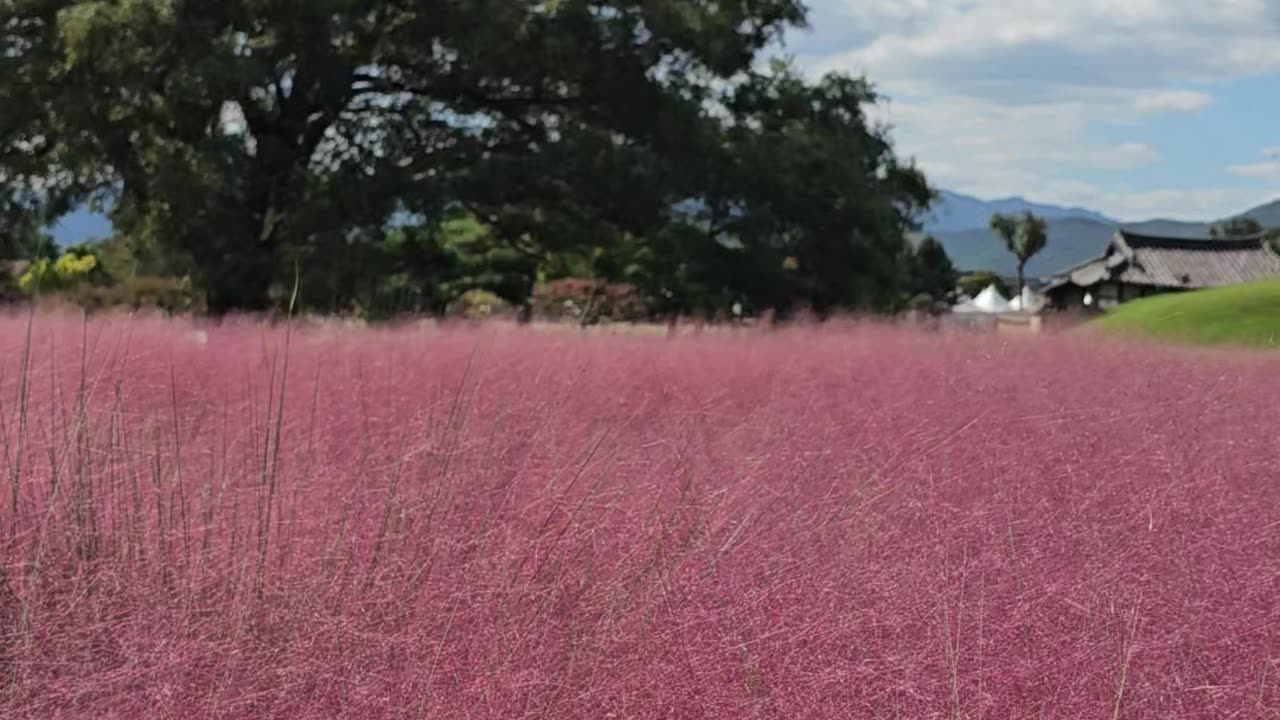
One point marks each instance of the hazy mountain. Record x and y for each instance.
(954, 212)
(1268, 215)
(1071, 241)
(1170, 228)
(1075, 234)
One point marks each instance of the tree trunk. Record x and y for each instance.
(239, 286)
(238, 259)
(1022, 280)
(237, 272)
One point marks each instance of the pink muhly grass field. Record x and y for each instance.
(854, 522)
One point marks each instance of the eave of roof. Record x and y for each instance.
(1135, 240)
(1182, 263)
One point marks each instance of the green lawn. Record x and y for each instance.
(1237, 315)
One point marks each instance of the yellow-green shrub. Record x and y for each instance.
(71, 270)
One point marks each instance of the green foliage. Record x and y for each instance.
(10, 273)
(125, 256)
(373, 273)
(1240, 227)
(478, 259)
(168, 294)
(1025, 236)
(75, 268)
(411, 269)
(929, 270)
(477, 305)
(795, 201)
(1247, 314)
(23, 217)
(246, 133)
(247, 143)
(809, 195)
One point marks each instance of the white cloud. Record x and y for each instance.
(1261, 171)
(1198, 204)
(1267, 169)
(1173, 101)
(981, 134)
(1003, 97)
(992, 150)
(1131, 154)
(1043, 47)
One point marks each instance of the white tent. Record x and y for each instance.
(989, 302)
(1030, 301)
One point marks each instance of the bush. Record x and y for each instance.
(10, 272)
(73, 269)
(589, 301)
(923, 302)
(172, 295)
(477, 305)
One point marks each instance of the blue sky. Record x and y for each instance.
(1136, 108)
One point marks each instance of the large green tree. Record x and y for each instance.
(793, 197)
(242, 132)
(639, 140)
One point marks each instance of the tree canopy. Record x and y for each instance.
(345, 140)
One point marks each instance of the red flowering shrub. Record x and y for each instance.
(589, 301)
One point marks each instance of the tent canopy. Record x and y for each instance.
(987, 301)
(1030, 301)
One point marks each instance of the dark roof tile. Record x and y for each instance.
(1178, 262)
(1194, 263)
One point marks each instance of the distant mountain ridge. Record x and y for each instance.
(1075, 234)
(957, 213)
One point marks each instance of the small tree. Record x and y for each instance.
(1025, 237)
(1240, 227)
(930, 270)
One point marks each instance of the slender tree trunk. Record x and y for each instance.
(243, 286)
(1022, 280)
(237, 266)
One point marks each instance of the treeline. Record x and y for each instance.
(392, 156)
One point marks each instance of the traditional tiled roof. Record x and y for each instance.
(1169, 262)
(1178, 262)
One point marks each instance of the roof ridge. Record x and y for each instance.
(1078, 266)
(1139, 239)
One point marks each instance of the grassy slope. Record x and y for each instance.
(1238, 315)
